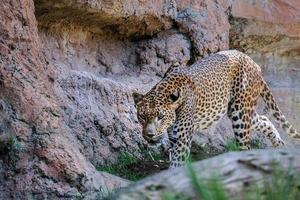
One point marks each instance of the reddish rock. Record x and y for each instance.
(39, 157)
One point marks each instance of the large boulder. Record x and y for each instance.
(237, 172)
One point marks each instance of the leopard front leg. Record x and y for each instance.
(180, 140)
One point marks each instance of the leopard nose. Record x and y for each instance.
(150, 131)
(150, 134)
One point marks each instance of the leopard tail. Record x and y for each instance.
(272, 107)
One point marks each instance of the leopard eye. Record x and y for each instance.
(174, 96)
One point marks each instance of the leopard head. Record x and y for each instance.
(156, 111)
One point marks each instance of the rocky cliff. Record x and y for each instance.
(68, 69)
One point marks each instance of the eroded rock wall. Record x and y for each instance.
(39, 155)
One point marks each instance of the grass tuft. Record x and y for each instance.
(232, 145)
(132, 168)
(14, 144)
(121, 168)
(214, 189)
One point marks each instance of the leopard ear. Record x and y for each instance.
(174, 96)
(171, 68)
(137, 97)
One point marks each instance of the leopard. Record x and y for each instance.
(194, 98)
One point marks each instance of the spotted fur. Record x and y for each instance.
(196, 97)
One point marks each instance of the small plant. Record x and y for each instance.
(214, 189)
(170, 196)
(283, 185)
(232, 145)
(132, 168)
(121, 167)
(13, 143)
(256, 144)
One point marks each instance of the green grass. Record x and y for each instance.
(121, 167)
(282, 186)
(232, 145)
(132, 168)
(127, 166)
(214, 189)
(14, 144)
(256, 144)
(170, 196)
